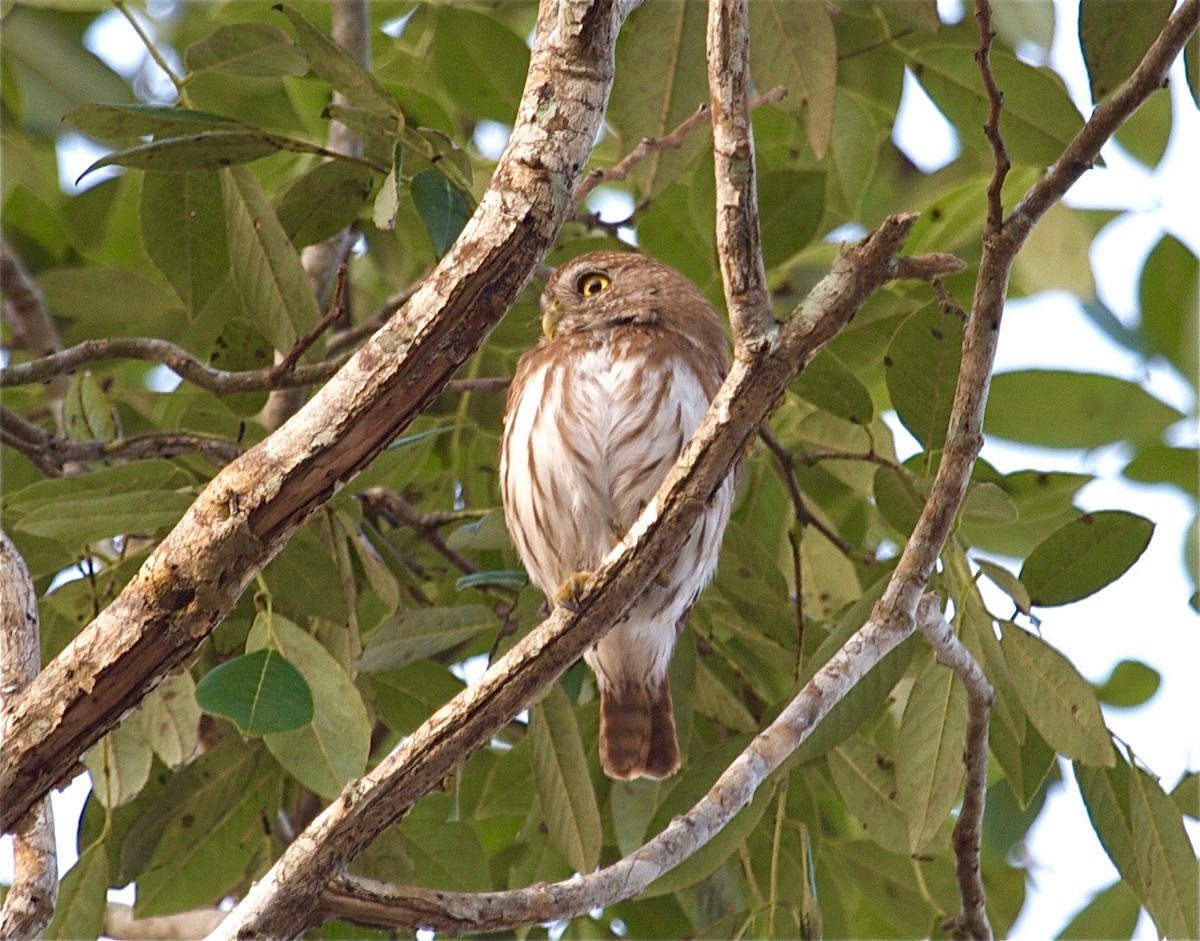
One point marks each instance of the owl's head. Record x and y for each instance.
(604, 290)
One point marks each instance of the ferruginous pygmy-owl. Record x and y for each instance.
(597, 415)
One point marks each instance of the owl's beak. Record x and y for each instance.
(551, 315)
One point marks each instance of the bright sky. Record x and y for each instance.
(1144, 616)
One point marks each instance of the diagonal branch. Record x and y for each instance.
(251, 508)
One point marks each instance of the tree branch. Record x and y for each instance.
(399, 512)
(991, 129)
(52, 454)
(31, 898)
(972, 920)
(738, 243)
(250, 509)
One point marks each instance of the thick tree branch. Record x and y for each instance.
(283, 902)
(251, 508)
(31, 898)
(738, 244)
(972, 920)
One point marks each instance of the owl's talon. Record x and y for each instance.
(570, 591)
(663, 579)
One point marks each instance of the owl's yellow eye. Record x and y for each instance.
(591, 284)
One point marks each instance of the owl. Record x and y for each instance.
(597, 414)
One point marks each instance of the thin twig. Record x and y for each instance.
(648, 146)
(739, 247)
(31, 898)
(972, 920)
(188, 367)
(787, 468)
(991, 129)
(399, 512)
(52, 454)
(812, 458)
(337, 308)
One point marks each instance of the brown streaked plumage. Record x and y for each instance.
(597, 414)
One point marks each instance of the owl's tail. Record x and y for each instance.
(637, 732)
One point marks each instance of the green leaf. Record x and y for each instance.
(332, 749)
(1115, 34)
(209, 150)
(499, 60)
(1146, 134)
(792, 204)
(77, 520)
(1131, 683)
(423, 632)
(794, 46)
(1057, 409)
(1058, 701)
(1083, 556)
(324, 201)
(507, 579)
(660, 80)
(441, 207)
(119, 122)
(183, 230)
(266, 270)
(1039, 119)
(922, 372)
(82, 897)
(446, 854)
(254, 49)
(860, 128)
(632, 805)
(262, 692)
(1007, 582)
(560, 773)
(120, 762)
(929, 746)
(1160, 464)
(387, 200)
(43, 50)
(87, 412)
(203, 829)
(1170, 283)
(407, 697)
(866, 779)
(242, 346)
(1186, 795)
(1112, 913)
(337, 67)
(1029, 22)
